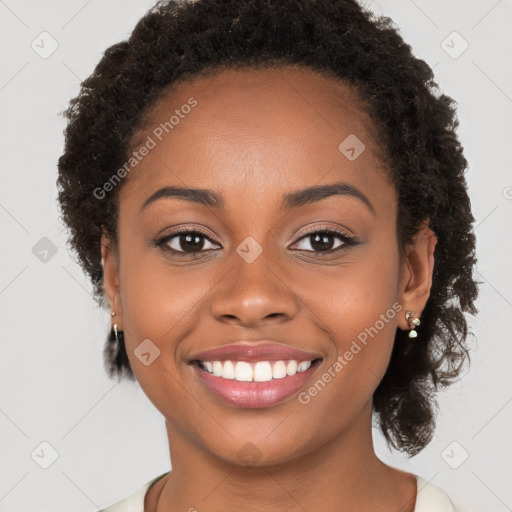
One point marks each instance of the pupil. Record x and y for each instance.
(321, 242)
(191, 243)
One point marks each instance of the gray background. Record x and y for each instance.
(108, 437)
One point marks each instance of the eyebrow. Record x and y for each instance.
(212, 199)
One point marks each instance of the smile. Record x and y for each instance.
(260, 371)
(254, 384)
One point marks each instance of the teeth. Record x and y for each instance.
(217, 368)
(291, 367)
(279, 370)
(228, 370)
(261, 371)
(243, 371)
(303, 366)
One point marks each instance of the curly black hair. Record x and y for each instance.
(415, 129)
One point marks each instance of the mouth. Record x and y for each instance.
(255, 385)
(254, 375)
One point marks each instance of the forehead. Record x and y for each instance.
(258, 128)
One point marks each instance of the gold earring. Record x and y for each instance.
(413, 322)
(115, 329)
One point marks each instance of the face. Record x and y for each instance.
(318, 273)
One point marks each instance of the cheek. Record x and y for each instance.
(158, 306)
(359, 310)
(164, 305)
(352, 296)
(157, 297)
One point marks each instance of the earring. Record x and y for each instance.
(115, 330)
(413, 322)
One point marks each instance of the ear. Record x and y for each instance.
(417, 270)
(110, 264)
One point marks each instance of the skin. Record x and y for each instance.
(254, 136)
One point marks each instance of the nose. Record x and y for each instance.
(254, 294)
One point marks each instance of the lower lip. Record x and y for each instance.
(255, 395)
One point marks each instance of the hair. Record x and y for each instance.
(415, 128)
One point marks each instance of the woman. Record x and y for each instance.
(270, 199)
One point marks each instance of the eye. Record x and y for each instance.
(185, 241)
(323, 240)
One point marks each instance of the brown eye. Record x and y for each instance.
(324, 240)
(185, 242)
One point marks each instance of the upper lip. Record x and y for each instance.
(255, 351)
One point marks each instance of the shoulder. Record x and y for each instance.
(134, 502)
(430, 498)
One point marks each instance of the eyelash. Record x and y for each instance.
(348, 240)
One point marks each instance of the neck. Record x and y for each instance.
(344, 473)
